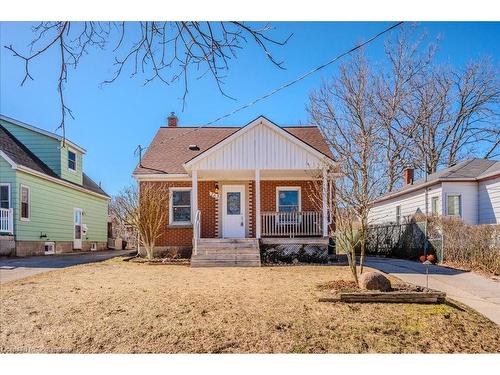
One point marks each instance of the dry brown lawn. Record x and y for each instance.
(116, 306)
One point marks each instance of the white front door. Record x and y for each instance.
(77, 241)
(233, 211)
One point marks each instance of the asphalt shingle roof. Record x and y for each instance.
(467, 169)
(170, 146)
(21, 155)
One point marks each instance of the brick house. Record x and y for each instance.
(231, 187)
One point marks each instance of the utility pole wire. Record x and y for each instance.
(292, 82)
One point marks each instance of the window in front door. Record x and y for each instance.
(233, 203)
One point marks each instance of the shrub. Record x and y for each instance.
(471, 246)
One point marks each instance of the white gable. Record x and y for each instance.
(259, 145)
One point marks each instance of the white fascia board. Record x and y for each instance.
(162, 177)
(259, 120)
(8, 159)
(58, 181)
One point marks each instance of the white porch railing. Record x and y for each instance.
(196, 231)
(291, 224)
(6, 220)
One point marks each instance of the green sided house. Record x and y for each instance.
(47, 204)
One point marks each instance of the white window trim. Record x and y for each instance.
(171, 206)
(288, 188)
(460, 204)
(76, 160)
(9, 193)
(435, 199)
(21, 186)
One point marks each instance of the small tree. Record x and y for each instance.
(145, 210)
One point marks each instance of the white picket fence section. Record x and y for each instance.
(6, 220)
(291, 224)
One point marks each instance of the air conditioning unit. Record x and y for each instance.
(50, 248)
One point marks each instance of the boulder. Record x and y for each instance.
(374, 281)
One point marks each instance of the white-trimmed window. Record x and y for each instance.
(454, 205)
(71, 160)
(435, 205)
(398, 215)
(4, 195)
(180, 205)
(288, 199)
(25, 209)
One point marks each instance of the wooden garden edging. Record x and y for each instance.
(388, 297)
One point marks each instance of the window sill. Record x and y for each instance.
(179, 226)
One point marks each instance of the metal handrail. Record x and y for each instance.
(196, 231)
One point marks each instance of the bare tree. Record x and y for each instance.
(343, 111)
(164, 51)
(145, 211)
(454, 114)
(393, 89)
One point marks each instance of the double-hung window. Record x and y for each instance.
(435, 205)
(71, 160)
(4, 195)
(180, 206)
(454, 205)
(25, 203)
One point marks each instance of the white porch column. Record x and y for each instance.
(194, 194)
(325, 204)
(257, 204)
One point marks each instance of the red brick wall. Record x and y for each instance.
(251, 193)
(173, 236)
(208, 207)
(310, 192)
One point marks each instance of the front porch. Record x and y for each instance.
(293, 205)
(232, 217)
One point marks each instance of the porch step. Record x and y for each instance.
(215, 252)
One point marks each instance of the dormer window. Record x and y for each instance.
(71, 160)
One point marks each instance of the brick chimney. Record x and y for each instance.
(172, 120)
(408, 176)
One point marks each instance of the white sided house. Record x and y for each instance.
(469, 190)
(231, 188)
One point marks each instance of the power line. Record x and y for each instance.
(292, 82)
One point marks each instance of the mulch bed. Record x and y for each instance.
(160, 261)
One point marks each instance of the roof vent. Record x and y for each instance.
(194, 148)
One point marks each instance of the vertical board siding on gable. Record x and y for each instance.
(45, 148)
(489, 201)
(411, 204)
(75, 176)
(260, 147)
(51, 212)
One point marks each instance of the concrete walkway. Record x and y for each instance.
(18, 268)
(479, 292)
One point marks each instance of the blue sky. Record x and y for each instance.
(111, 121)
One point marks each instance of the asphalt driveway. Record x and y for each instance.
(479, 292)
(18, 268)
